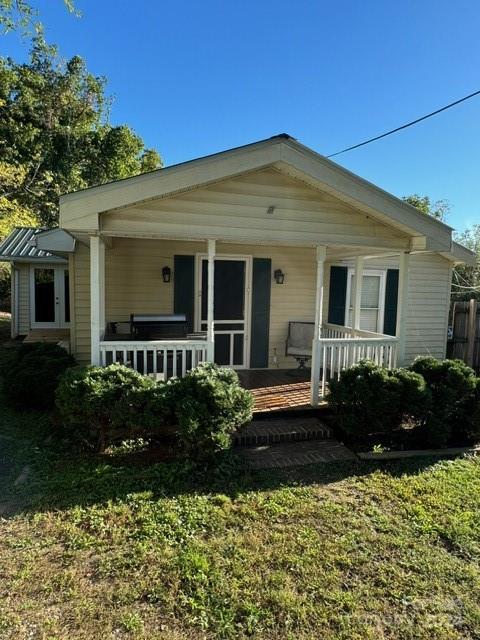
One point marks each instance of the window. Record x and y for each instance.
(372, 302)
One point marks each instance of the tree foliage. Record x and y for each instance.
(438, 209)
(466, 279)
(55, 136)
(22, 16)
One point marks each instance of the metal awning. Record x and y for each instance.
(20, 246)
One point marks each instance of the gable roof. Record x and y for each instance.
(20, 246)
(79, 211)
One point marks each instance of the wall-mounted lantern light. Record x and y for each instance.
(270, 209)
(166, 274)
(279, 276)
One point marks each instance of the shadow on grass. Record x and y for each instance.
(36, 475)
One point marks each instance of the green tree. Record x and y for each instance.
(22, 16)
(466, 279)
(54, 129)
(438, 209)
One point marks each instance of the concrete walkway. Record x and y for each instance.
(290, 454)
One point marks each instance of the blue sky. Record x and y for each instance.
(196, 77)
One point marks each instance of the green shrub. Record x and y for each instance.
(473, 433)
(106, 404)
(209, 405)
(30, 374)
(370, 399)
(453, 387)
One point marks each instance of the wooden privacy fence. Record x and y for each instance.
(464, 333)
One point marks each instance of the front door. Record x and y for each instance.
(49, 297)
(231, 308)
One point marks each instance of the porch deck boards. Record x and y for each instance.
(277, 389)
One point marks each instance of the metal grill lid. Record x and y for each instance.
(159, 317)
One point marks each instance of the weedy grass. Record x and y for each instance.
(4, 328)
(97, 547)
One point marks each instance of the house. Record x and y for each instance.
(241, 243)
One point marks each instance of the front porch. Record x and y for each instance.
(337, 348)
(237, 312)
(278, 389)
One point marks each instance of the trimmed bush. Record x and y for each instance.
(105, 404)
(370, 399)
(209, 405)
(30, 374)
(453, 386)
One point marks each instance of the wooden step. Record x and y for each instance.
(292, 429)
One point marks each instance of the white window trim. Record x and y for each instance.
(382, 273)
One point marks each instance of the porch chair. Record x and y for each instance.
(299, 342)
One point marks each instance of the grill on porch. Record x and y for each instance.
(157, 344)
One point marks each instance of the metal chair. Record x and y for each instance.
(299, 342)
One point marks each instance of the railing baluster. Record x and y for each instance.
(324, 373)
(183, 355)
(165, 363)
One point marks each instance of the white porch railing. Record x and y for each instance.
(341, 347)
(171, 358)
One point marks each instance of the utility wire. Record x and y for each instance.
(404, 126)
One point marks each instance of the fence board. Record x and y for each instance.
(464, 341)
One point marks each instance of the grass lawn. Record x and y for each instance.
(103, 548)
(4, 327)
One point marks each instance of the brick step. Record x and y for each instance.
(293, 429)
(293, 454)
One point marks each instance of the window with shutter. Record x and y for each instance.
(372, 302)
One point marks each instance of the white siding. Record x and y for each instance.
(80, 338)
(23, 298)
(428, 304)
(237, 210)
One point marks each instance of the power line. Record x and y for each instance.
(404, 126)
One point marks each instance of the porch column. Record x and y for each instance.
(402, 306)
(97, 296)
(317, 332)
(210, 302)
(357, 293)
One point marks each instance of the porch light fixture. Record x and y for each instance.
(166, 274)
(271, 209)
(279, 276)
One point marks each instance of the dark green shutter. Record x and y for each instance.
(391, 295)
(261, 284)
(184, 287)
(337, 295)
